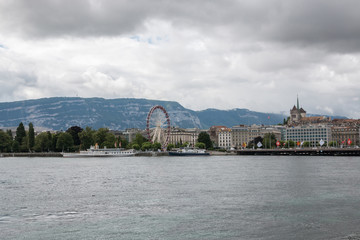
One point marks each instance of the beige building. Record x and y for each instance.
(224, 138)
(214, 134)
(181, 135)
(241, 135)
(345, 129)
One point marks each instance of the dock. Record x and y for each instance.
(302, 152)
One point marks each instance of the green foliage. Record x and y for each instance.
(87, 138)
(5, 142)
(136, 146)
(156, 146)
(109, 140)
(333, 144)
(24, 147)
(15, 146)
(54, 142)
(9, 133)
(74, 131)
(31, 136)
(170, 146)
(306, 144)
(124, 142)
(269, 141)
(20, 133)
(100, 136)
(204, 137)
(42, 142)
(139, 139)
(185, 144)
(146, 146)
(65, 142)
(200, 145)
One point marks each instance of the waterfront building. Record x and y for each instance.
(224, 138)
(214, 134)
(310, 133)
(181, 135)
(243, 134)
(344, 129)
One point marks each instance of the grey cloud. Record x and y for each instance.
(329, 24)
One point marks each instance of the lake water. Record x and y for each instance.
(231, 197)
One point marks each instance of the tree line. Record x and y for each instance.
(76, 138)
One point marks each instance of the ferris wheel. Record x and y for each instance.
(158, 126)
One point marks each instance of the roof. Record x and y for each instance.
(302, 110)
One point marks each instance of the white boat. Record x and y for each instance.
(101, 152)
(188, 151)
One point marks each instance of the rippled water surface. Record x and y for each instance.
(232, 197)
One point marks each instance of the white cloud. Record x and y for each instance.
(247, 54)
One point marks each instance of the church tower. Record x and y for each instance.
(296, 113)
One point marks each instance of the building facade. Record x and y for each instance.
(241, 135)
(181, 136)
(224, 138)
(312, 133)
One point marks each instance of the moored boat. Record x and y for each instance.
(189, 152)
(101, 152)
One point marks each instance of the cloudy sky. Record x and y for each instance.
(202, 53)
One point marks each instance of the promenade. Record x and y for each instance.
(303, 151)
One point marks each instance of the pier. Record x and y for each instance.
(303, 151)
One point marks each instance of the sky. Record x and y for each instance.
(203, 54)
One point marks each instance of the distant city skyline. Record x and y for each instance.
(257, 55)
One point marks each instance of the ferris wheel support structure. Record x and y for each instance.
(158, 126)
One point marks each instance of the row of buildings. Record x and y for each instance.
(299, 128)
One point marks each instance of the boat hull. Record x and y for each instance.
(188, 154)
(79, 155)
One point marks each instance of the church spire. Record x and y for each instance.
(298, 107)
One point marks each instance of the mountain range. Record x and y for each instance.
(60, 113)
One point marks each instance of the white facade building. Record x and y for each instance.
(224, 138)
(313, 134)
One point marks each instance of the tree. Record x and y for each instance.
(200, 145)
(31, 136)
(100, 136)
(170, 146)
(42, 142)
(136, 146)
(54, 142)
(87, 138)
(74, 131)
(65, 142)
(20, 133)
(204, 137)
(185, 144)
(15, 146)
(139, 139)
(269, 140)
(146, 146)
(156, 146)
(123, 143)
(5, 142)
(9, 133)
(109, 140)
(306, 144)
